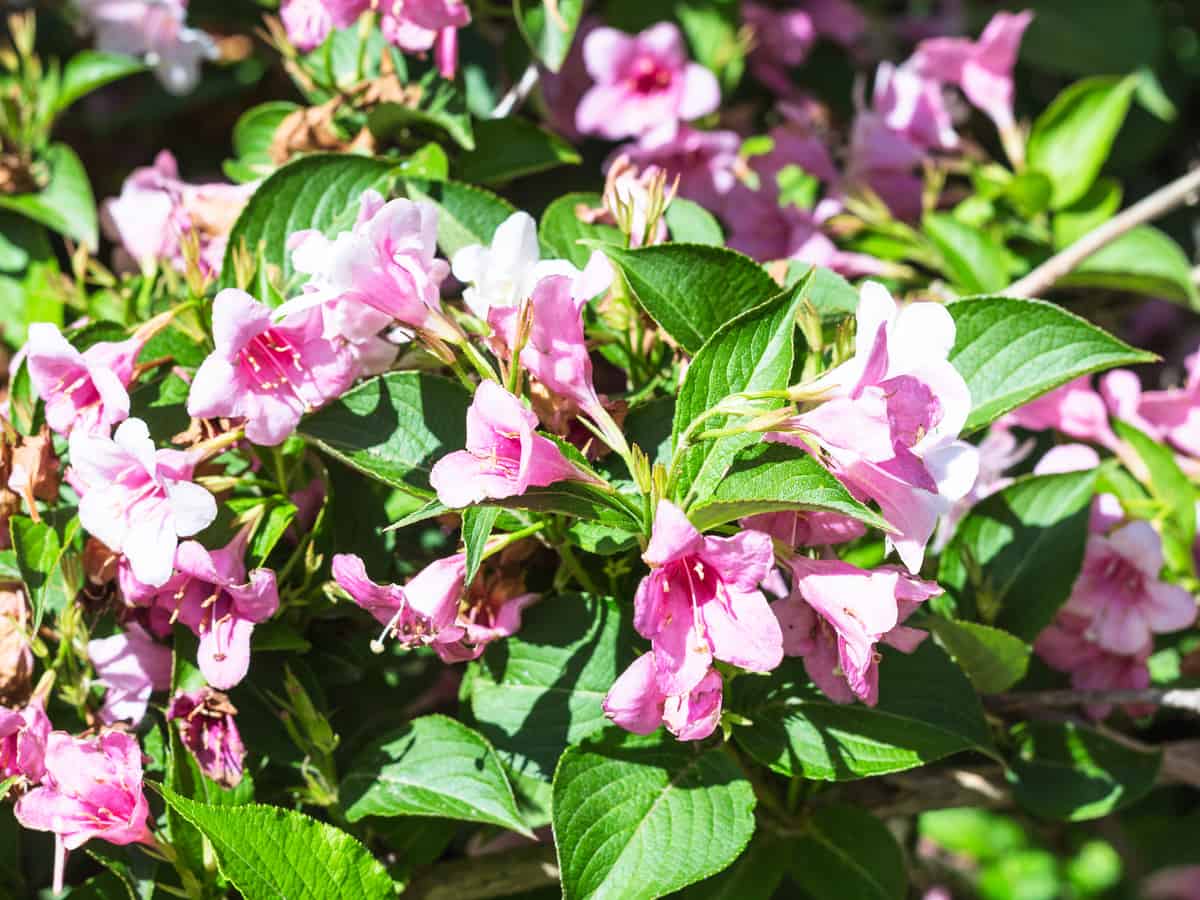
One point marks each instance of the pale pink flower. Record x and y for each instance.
(86, 391)
(807, 529)
(701, 601)
(209, 731)
(885, 161)
(1063, 458)
(155, 31)
(1171, 415)
(413, 25)
(131, 666)
(704, 162)
(1074, 409)
(270, 375)
(999, 451)
(888, 419)
(505, 456)
(983, 68)
(307, 22)
(1064, 645)
(555, 352)
(385, 263)
(839, 20)
(92, 789)
(782, 40)
(642, 81)
(636, 703)
(1119, 593)
(136, 500)
(23, 737)
(837, 613)
(213, 595)
(913, 106)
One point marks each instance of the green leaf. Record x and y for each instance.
(50, 577)
(1068, 771)
(1011, 351)
(90, 70)
(994, 660)
(830, 294)
(1015, 557)
(266, 851)
(1091, 37)
(477, 522)
(776, 477)
(691, 223)
(755, 875)
(1089, 212)
(691, 290)
(511, 148)
(1071, 140)
(66, 204)
(275, 516)
(538, 692)
(1172, 489)
(466, 214)
(1143, 261)
(974, 261)
(637, 818)
(30, 286)
(443, 111)
(319, 191)
(846, 853)
(561, 231)
(578, 500)
(433, 766)
(253, 135)
(927, 710)
(713, 33)
(753, 352)
(393, 427)
(548, 28)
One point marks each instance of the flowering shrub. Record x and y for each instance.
(608, 451)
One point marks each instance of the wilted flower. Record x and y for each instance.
(637, 703)
(131, 666)
(642, 81)
(207, 727)
(137, 500)
(268, 374)
(16, 655)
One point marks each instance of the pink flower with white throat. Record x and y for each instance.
(636, 703)
(86, 391)
(887, 421)
(137, 500)
(131, 665)
(1119, 593)
(270, 375)
(92, 789)
(837, 613)
(505, 456)
(701, 601)
(642, 81)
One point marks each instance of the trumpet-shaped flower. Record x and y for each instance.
(1065, 645)
(504, 456)
(807, 529)
(412, 25)
(85, 390)
(835, 616)
(23, 737)
(637, 704)
(209, 731)
(270, 375)
(213, 595)
(887, 420)
(155, 31)
(131, 666)
(642, 81)
(1119, 593)
(136, 500)
(386, 262)
(701, 601)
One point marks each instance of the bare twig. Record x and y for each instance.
(517, 93)
(1187, 699)
(1180, 191)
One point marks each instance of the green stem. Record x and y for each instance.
(577, 571)
(478, 361)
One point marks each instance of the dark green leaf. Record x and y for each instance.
(994, 660)
(974, 261)
(848, 854)
(1089, 212)
(66, 204)
(511, 148)
(477, 522)
(443, 111)
(756, 875)
(51, 577)
(1143, 261)
(1091, 37)
(561, 230)
(90, 70)
(548, 28)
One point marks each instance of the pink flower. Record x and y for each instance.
(131, 666)
(155, 31)
(307, 22)
(637, 704)
(23, 737)
(412, 26)
(912, 105)
(703, 161)
(837, 613)
(92, 789)
(1171, 415)
(1119, 593)
(208, 730)
(839, 20)
(1173, 883)
(998, 452)
(701, 601)
(642, 81)
(136, 500)
(887, 420)
(556, 352)
(983, 68)
(1074, 409)
(212, 594)
(807, 529)
(386, 263)
(782, 40)
(504, 457)
(81, 390)
(269, 375)
(562, 90)
(1065, 646)
(156, 211)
